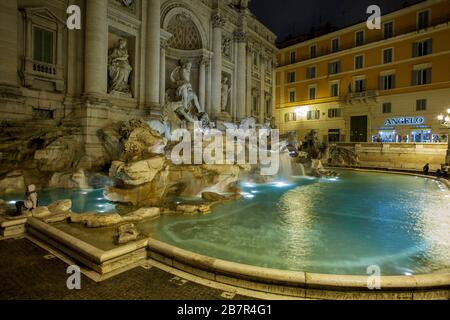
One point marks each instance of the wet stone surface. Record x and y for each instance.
(26, 272)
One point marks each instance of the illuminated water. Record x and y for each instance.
(400, 223)
(89, 200)
(343, 226)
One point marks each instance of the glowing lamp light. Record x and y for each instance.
(447, 119)
(440, 117)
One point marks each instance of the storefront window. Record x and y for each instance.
(419, 136)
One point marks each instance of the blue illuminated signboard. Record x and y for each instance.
(404, 121)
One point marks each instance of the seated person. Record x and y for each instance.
(30, 203)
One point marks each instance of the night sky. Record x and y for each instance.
(294, 17)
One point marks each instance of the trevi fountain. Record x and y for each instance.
(115, 178)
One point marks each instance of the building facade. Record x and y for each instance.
(121, 63)
(361, 85)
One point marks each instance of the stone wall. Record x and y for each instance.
(399, 155)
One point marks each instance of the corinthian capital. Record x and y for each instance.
(240, 36)
(218, 21)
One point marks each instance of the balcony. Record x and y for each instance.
(363, 97)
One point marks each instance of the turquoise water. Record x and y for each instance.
(88, 200)
(334, 226)
(339, 226)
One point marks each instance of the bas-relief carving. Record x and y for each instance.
(226, 47)
(119, 69)
(129, 4)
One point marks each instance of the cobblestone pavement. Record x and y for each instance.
(27, 272)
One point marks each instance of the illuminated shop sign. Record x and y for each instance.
(404, 121)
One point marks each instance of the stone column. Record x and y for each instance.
(202, 82)
(274, 87)
(262, 97)
(218, 22)
(162, 73)
(96, 48)
(208, 87)
(240, 38)
(8, 43)
(153, 58)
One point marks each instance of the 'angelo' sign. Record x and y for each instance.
(404, 121)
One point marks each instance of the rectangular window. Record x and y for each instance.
(334, 67)
(335, 45)
(388, 30)
(334, 90)
(311, 73)
(313, 52)
(292, 96)
(387, 107)
(421, 105)
(387, 82)
(421, 77)
(290, 116)
(255, 59)
(422, 48)
(255, 105)
(291, 77)
(312, 93)
(388, 55)
(313, 115)
(334, 113)
(334, 135)
(293, 57)
(359, 38)
(42, 45)
(359, 62)
(360, 85)
(423, 20)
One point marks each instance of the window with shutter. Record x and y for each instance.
(387, 55)
(423, 19)
(387, 107)
(43, 45)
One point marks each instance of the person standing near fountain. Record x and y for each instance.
(426, 169)
(30, 203)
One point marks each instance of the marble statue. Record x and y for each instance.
(225, 93)
(119, 68)
(181, 76)
(248, 124)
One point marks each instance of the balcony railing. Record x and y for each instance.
(362, 97)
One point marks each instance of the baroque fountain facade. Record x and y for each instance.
(141, 60)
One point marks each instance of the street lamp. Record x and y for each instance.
(445, 121)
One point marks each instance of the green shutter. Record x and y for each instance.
(428, 75)
(415, 52)
(415, 78)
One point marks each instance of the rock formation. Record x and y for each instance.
(145, 175)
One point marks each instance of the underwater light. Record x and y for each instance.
(281, 184)
(249, 185)
(247, 195)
